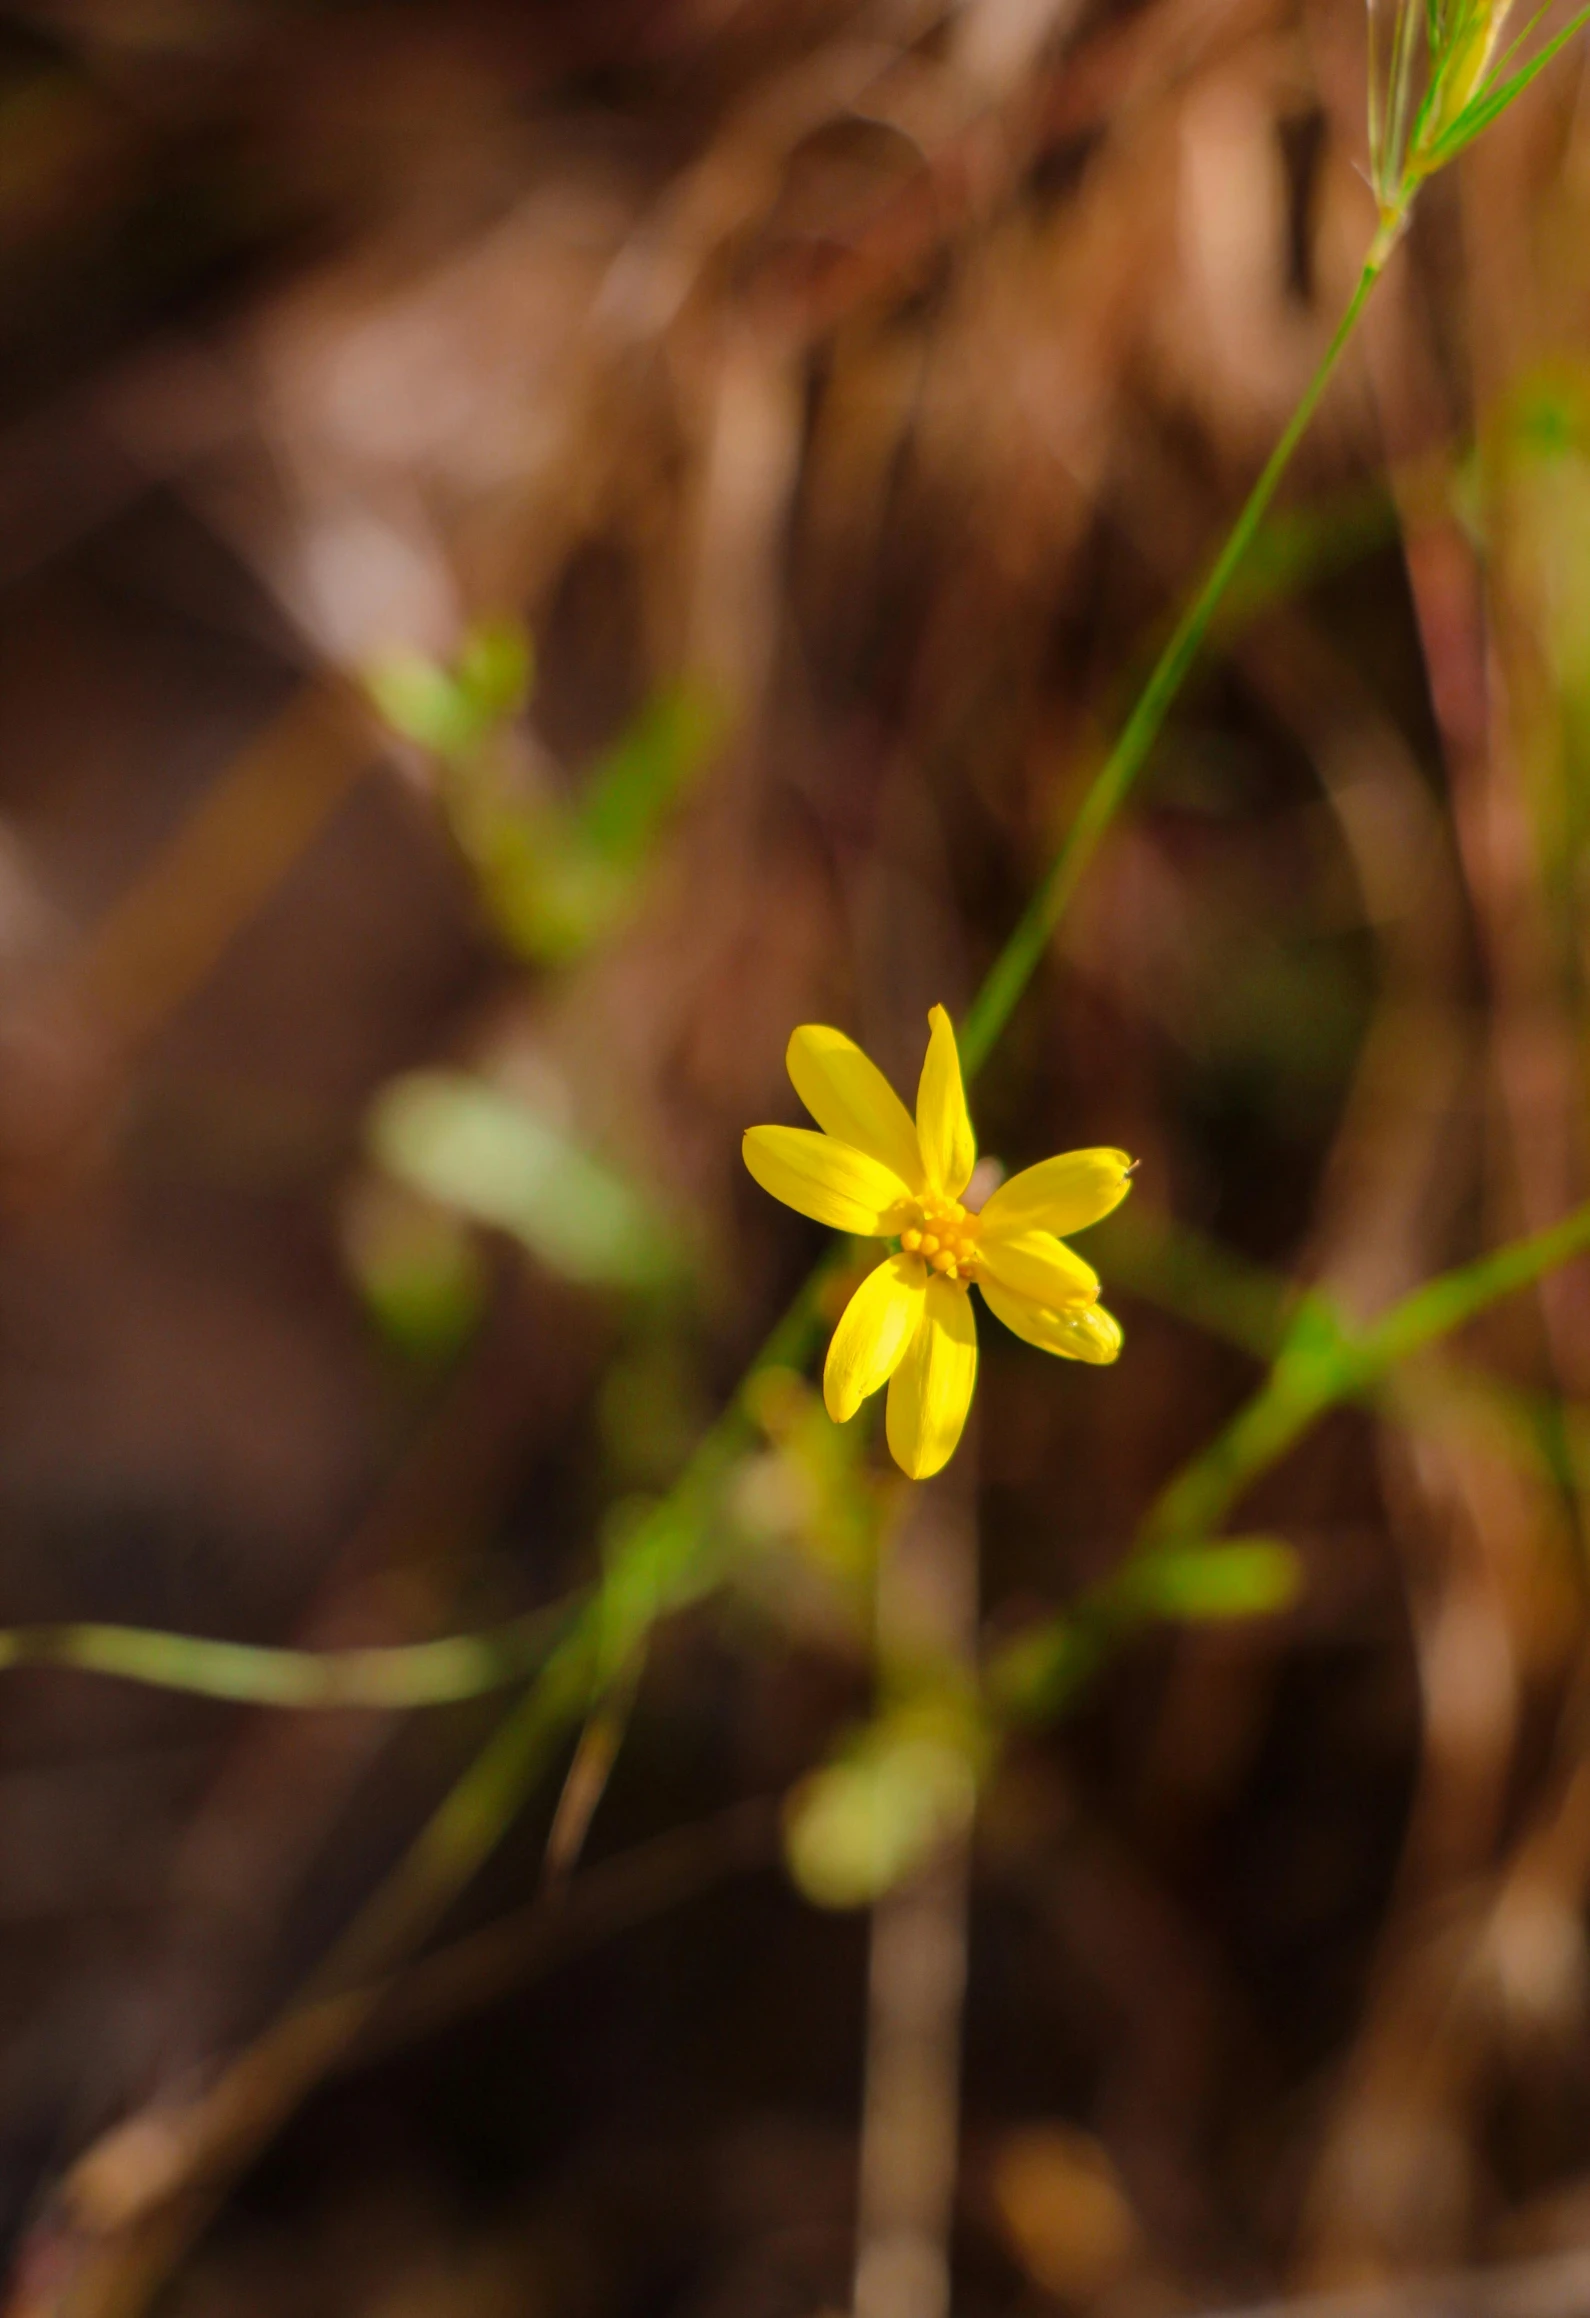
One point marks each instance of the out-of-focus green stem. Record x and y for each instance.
(663, 1552)
(1013, 969)
(391, 1676)
(1322, 1362)
(470, 1821)
(1433, 1311)
(1325, 1361)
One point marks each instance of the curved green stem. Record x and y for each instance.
(1013, 969)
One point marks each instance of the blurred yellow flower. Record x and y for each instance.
(873, 1171)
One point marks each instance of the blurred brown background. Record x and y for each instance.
(837, 398)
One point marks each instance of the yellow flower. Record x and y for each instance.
(871, 1170)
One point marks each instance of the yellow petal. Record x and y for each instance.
(1037, 1265)
(849, 1096)
(874, 1329)
(931, 1390)
(1061, 1195)
(943, 1128)
(823, 1179)
(1086, 1332)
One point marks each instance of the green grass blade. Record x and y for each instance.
(645, 772)
(1516, 46)
(1490, 106)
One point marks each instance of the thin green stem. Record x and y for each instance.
(1322, 1362)
(666, 1561)
(660, 1563)
(392, 1675)
(1247, 1306)
(1013, 969)
(469, 1822)
(1433, 1311)
(1325, 1361)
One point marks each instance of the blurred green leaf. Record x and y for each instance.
(496, 669)
(555, 877)
(1319, 1354)
(495, 1158)
(652, 1562)
(812, 1489)
(1240, 1577)
(417, 1267)
(645, 771)
(548, 893)
(1171, 1264)
(396, 1675)
(859, 1826)
(1548, 418)
(420, 700)
(558, 878)
(451, 711)
(1038, 1673)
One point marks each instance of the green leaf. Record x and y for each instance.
(657, 1555)
(398, 1675)
(1245, 1577)
(450, 711)
(558, 878)
(549, 893)
(1549, 421)
(419, 699)
(418, 1267)
(1318, 1354)
(645, 771)
(1040, 1671)
(1483, 110)
(859, 1826)
(496, 669)
(497, 1159)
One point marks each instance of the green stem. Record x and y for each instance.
(391, 1676)
(1322, 1363)
(1434, 1310)
(470, 1821)
(661, 1564)
(1013, 969)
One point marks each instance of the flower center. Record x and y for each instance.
(942, 1233)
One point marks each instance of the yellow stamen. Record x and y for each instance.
(943, 1234)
